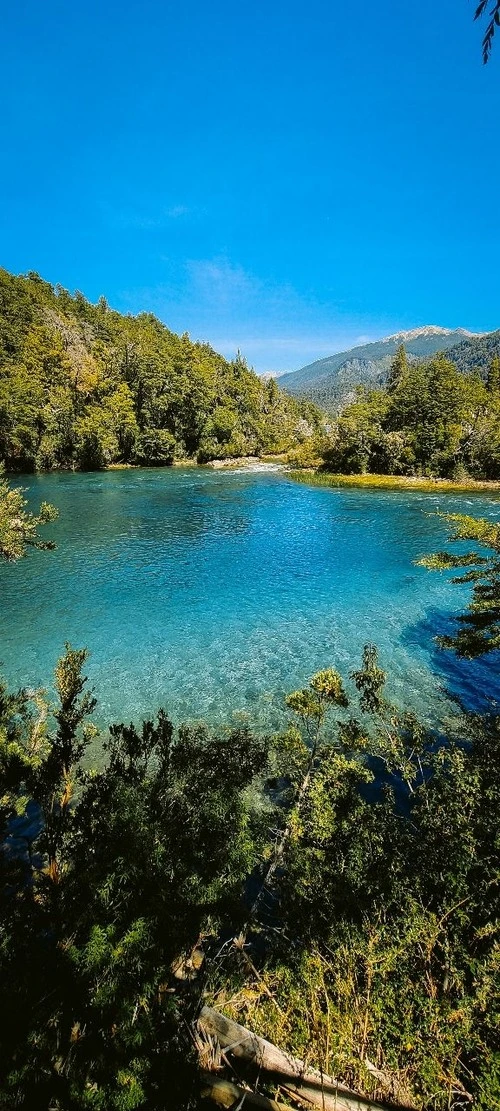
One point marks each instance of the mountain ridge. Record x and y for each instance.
(332, 380)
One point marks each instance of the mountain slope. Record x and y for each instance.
(332, 380)
(84, 386)
(476, 353)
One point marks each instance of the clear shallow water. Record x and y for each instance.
(215, 592)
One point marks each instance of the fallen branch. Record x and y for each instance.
(226, 1094)
(309, 1085)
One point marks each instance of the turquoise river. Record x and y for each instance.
(213, 592)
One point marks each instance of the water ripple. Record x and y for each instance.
(214, 592)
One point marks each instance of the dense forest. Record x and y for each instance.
(332, 381)
(84, 386)
(430, 419)
(334, 887)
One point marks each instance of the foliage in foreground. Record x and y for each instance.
(344, 874)
(383, 963)
(18, 527)
(373, 946)
(493, 16)
(107, 877)
(479, 627)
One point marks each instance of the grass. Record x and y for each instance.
(392, 482)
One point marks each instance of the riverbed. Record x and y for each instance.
(214, 592)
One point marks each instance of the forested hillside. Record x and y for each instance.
(476, 353)
(332, 382)
(429, 419)
(84, 386)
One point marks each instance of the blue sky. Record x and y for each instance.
(287, 178)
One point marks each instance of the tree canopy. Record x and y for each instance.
(84, 386)
(430, 419)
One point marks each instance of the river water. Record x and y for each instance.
(213, 593)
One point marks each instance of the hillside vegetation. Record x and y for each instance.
(430, 419)
(84, 386)
(332, 382)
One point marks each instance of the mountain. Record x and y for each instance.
(84, 386)
(476, 352)
(330, 382)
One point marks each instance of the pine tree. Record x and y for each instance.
(493, 376)
(398, 369)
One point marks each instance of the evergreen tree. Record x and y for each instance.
(431, 420)
(493, 377)
(398, 368)
(479, 630)
(82, 385)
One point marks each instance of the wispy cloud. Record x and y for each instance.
(129, 218)
(222, 285)
(176, 211)
(275, 327)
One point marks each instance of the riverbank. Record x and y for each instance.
(246, 461)
(216, 464)
(394, 482)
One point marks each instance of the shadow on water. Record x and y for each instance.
(476, 683)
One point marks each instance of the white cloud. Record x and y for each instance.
(176, 211)
(221, 285)
(128, 218)
(275, 327)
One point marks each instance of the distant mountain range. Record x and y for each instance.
(331, 382)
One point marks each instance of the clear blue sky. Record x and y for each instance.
(281, 177)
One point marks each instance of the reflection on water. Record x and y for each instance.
(214, 592)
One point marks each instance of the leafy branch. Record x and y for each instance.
(494, 22)
(479, 630)
(18, 528)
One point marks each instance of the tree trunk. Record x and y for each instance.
(226, 1094)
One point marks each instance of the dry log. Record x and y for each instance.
(309, 1085)
(226, 1094)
